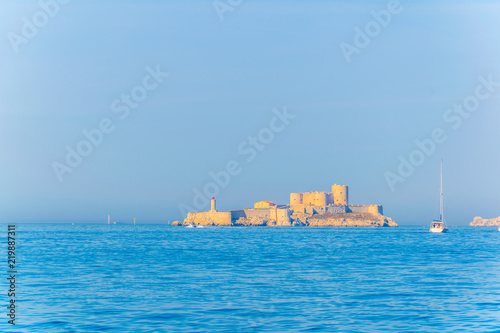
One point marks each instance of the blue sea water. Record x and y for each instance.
(158, 278)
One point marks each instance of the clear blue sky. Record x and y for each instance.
(352, 119)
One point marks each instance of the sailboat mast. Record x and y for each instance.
(441, 199)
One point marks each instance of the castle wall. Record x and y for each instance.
(369, 209)
(376, 209)
(210, 218)
(314, 210)
(257, 213)
(283, 215)
(321, 209)
(336, 209)
(298, 208)
(236, 214)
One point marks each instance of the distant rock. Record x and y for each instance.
(480, 222)
(177, 223)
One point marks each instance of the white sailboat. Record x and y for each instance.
(108, 219)
(439, 226)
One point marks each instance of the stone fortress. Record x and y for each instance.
(333, 202)
(305, 209)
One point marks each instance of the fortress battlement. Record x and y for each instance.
(303, 206)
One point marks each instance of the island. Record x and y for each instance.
(480, 222)
(310, 209)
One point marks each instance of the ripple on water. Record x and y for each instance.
(155, 278)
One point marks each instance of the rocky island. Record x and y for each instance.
(311, 209)
(480, 222)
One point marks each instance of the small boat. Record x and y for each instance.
(191, 225)
(439, 226)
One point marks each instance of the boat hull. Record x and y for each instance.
(438, 230)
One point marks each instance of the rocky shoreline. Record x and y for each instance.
(305, 220)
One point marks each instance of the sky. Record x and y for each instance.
(145, 109)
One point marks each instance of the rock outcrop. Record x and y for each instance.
(480, 222)
(350, 220)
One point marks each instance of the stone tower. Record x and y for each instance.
(340, 194)
(296, 198)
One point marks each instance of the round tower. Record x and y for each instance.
(321, 199)
(308, 198)
(213, 205)
(296, 198)
(340, 194)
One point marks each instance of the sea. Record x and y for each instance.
(160, 278)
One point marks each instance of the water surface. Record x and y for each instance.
(157, 278)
